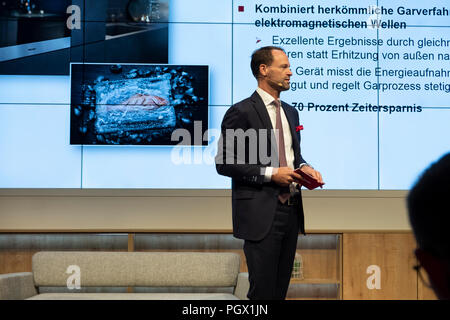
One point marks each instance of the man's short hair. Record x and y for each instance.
(429, 208)
(262, 56)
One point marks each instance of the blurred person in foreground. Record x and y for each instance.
(429, 214)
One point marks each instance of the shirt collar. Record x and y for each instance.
(265, 96)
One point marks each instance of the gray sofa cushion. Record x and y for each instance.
(16, 286)
(138, 268)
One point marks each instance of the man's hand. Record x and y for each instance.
(316, 174)
(284, 176)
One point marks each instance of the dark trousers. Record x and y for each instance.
(270, 260)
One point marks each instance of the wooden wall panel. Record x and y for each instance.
(16, 261)
(393, 253)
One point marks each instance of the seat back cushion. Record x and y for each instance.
(135, 268)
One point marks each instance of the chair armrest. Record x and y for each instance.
(17, 286)
(242, 286)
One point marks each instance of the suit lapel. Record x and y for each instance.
(261, 110)
(295, 142)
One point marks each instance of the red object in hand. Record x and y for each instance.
(308, 180)
(298, 128)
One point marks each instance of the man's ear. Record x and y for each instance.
(437, 272)
(263, 70)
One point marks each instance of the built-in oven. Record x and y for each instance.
(31, 27)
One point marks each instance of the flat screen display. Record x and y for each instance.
(129, 104)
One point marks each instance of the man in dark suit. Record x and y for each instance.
(259, 149)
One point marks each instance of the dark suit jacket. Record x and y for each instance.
(253, 200)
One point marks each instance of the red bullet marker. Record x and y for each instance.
(241, 8)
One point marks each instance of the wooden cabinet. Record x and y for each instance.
(379, 266)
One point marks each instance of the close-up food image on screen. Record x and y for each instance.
(113, 104)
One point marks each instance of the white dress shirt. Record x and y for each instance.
(270, 105)
(269, 102)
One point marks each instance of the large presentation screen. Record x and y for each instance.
(370, 81)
